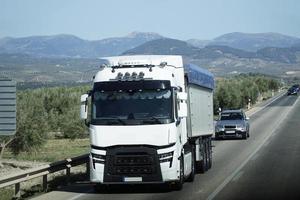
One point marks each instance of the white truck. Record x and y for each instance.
(150, 121)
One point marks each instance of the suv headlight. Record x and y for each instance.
(219, 128)
(241, 127)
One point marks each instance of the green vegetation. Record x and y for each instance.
(6, 194)
(235, 92)
(44, 112)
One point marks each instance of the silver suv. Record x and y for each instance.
(232, 123)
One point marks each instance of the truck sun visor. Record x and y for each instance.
(132, 85)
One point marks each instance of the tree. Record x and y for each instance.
(4, 142)
(31, 123)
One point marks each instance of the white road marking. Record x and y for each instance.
(231, 176)
(238, 176)
(80, 195)
(255, 156)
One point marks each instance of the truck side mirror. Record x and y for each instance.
(182, 96)
(182, 108)
(182, 112)
(84, 106)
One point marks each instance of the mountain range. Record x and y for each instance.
(166, 46)
(66, 58)
(72, 46)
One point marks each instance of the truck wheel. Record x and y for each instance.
(192, 175)
(178, 184)
(203, 164)
(209, 153)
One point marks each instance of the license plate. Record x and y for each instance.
(230, 131)
(133, 179)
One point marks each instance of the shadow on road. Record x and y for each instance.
(88, 188)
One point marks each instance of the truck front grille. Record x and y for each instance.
(132, 161)
(133, 164)
(126, 170)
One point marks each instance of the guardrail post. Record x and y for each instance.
(45, 183)
(17, 191)
(68, 173)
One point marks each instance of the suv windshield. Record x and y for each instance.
(232, 116)
(132, 107)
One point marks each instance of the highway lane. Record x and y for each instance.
(274, 172)
(228, 156)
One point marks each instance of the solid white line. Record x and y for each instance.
(80, 195)
(239, 175)
(230, 177)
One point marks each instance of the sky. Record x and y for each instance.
(180, 19)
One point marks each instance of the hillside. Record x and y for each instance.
(250, 41)
(72, 46)
(224, 60)
(67, 59)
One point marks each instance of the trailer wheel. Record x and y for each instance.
(178, 184)
(192, 175)
(203, 164)
(209, 153)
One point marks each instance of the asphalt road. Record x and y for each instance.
(265, 166)
(274, 172)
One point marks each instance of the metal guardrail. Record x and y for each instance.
(43, 171)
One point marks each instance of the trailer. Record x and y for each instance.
(150, 121)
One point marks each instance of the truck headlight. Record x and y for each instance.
(166, 157)
(97, 158)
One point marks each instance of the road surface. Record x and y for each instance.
(265, 166)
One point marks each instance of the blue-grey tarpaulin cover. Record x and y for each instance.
(199, 76)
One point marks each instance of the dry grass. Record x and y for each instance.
(54, 150)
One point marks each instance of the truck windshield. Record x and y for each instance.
(132, 107)
(232, 116)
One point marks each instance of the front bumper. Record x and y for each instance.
(230, 134)
(133, 165)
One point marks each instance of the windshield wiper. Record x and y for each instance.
(115, 119)
(152, 119)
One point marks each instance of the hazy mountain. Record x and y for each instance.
(165, 46)
(72, 46)
(198, 43)
(255, 41)
(224, 60)
(117, 45)
(68, 58)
